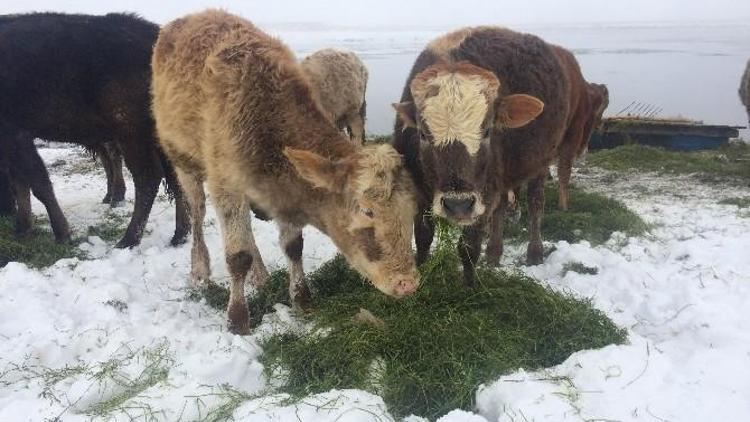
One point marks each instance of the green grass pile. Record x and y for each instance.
(591, 217)
(428, 353)
(727, 162)
(37, 250)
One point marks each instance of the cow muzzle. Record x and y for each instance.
(462, 208)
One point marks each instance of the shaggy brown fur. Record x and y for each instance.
(745, 89)
(339, 79)
(586, 104)
(233, 108)
(500, 100)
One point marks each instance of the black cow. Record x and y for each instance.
(81, 79)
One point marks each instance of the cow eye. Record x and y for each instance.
(487, 133)
(368, 212)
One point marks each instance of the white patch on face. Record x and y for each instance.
(457, 111)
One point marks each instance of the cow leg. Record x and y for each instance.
(495, 242)
(535, 199)
(258, 272)
(234, 212)
(194, 197)
(469, 248)
(182, 217)
(291, 240)
(111, 158)
(106, 160)
(7, 198)
(22, 192)
(564, 169)
(145, 166)
(357, 128)
(424, 232)
(29, 169)
(571, 144)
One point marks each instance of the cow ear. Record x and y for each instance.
(320, 171)
(517, 110)
(407, 113)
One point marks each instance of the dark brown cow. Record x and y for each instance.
(483, 111)
(234, 109)
(745, 89)
(81, 79)
(587, 103)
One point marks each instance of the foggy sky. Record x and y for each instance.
(420, 13)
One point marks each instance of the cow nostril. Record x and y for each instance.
(458, 206)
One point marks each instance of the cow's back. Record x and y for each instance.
(226, 92)
(73, 77)
(339, 78)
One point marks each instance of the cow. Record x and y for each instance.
(81, 79)
(587, 104)
(745, 89)
(483, 110)
(339, 78)
(234, 109)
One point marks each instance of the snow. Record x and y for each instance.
(683, 292)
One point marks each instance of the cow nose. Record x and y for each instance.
(458, 206)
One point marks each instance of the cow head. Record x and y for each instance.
(457, 112)
(369, 213)
(599, 98)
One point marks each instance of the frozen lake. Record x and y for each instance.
(688, 70)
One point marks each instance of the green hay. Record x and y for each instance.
(111, 228)
(37, 250)
(743, 202)
(591, 217)
(432, 349)
(716, 165)
(580, 268)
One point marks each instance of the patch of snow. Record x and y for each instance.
(683, 292)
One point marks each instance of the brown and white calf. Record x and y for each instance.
(587, 103)
(339, 79)
(483, 111)
(745, 89)
(233, 109)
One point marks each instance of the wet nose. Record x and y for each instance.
(405, 286)
(458, 206)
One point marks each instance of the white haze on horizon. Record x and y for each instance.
(417, 13)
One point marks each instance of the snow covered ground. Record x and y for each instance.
(115, 335)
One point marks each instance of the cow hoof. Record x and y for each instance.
(238, 319)
(178, 239)
(535, 254)
(126, 243)
(302, 299)
(493, 261)
(64, 240)
(107, 198)
(23, 232)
